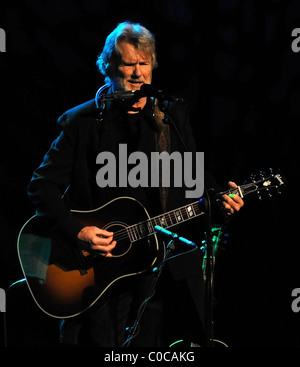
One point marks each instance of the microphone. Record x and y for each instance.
(119, 95)
(174, 236)
(147, 90)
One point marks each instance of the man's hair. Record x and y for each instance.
(133, 33)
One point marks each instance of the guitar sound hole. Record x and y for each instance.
(121, 236)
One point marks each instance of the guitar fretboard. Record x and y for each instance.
(143, 229)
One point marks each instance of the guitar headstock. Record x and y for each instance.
(265, 183)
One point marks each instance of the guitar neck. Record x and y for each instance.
(143, 229)
(190, 211)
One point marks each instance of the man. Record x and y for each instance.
(67, 179)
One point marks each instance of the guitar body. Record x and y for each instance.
(66, 280)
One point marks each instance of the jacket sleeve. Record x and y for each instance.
(51, 180)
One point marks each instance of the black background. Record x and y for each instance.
(232, 60)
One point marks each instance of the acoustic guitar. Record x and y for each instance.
(65, 278)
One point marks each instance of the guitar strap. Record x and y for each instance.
(162, 144)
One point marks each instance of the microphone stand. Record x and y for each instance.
(208, 286)
(209, 244)
(157, 272)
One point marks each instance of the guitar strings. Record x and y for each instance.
(135, 229)
(139, 230)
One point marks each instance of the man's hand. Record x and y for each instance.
(99, 239)
(232, 204)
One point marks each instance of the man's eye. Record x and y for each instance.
(134, 64)
(127, 64)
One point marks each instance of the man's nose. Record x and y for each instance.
(137, 70)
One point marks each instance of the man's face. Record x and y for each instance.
(134, 70)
